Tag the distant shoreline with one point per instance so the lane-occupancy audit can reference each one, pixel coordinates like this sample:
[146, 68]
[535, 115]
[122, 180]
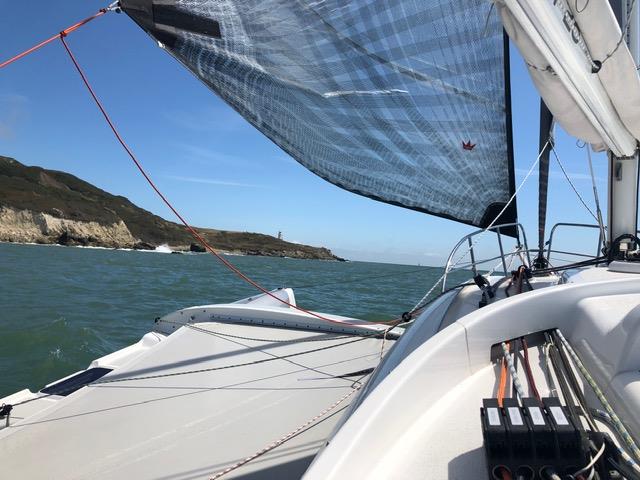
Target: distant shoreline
[181, 252]
[47, 207]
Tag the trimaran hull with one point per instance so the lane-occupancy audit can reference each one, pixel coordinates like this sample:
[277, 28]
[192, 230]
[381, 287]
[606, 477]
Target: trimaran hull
[255, 389]
[199, 400]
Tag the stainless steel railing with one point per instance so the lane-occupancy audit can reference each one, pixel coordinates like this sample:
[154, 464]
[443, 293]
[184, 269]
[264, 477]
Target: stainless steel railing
[549, 243]
[522, 249]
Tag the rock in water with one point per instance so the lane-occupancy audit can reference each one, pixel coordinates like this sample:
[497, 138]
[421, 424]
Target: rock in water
[196, 247]
[140, 245]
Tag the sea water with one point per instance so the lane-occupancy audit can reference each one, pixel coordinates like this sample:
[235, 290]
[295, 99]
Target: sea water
[62, 307]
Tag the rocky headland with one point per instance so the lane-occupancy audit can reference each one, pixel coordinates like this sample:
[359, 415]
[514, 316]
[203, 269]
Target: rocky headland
[51, 207]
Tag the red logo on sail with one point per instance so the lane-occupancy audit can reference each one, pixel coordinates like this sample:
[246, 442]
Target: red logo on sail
[468, 145]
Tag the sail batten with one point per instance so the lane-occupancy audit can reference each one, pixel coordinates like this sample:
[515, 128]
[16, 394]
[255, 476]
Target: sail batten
[397, 101]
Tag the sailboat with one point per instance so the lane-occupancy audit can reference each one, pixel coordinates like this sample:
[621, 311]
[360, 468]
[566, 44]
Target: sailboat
[527, 371]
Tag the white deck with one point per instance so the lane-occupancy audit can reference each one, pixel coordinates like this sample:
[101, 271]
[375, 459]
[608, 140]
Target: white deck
[418, 417]
[434, 395]
[191, 426]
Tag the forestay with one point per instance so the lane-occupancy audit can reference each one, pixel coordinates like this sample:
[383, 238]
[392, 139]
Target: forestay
[402, 102]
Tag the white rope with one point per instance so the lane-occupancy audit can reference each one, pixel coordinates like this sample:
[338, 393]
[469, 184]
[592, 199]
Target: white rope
[624, 456]
[447, 268]
[384, 339]
[551, 384]
[512, 369]
[593, 461]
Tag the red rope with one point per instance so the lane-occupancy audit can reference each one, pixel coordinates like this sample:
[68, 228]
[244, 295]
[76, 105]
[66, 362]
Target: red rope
[189, 228]
[63, 33]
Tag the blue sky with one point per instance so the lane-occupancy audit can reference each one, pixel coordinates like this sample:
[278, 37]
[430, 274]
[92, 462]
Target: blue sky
[218, 170]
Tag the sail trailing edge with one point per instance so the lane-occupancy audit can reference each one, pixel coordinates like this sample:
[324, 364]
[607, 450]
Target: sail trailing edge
[402, 102]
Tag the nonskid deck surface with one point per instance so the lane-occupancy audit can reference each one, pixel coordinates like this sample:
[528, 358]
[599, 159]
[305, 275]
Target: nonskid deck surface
[170, 424]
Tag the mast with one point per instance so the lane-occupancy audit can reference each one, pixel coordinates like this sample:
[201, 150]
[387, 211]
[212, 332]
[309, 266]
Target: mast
[545, 145]
[624, 171]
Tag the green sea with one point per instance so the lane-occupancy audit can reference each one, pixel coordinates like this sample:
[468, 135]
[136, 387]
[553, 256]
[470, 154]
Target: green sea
[61, 307]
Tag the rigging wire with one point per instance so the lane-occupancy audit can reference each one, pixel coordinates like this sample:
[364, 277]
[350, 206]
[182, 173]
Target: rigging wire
[190, 372]
[254, 339]
[596, 65]
[483, 232]
[431, 300]
[306, 367]
[625, 30]
[566, 175]
[191, 230]
[197, 236]
[580, 10]
[225, 367]
[584, 263]
[596, 198]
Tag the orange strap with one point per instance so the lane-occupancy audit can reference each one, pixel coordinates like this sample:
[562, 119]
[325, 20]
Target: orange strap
[504, 373]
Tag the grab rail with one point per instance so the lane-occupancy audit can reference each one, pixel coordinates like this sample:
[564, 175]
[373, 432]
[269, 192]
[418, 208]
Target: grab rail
[521, 248]
[569, 224]
[502, 257]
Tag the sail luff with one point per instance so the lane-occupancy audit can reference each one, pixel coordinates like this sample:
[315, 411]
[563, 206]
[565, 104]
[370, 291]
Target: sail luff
[510, 216]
